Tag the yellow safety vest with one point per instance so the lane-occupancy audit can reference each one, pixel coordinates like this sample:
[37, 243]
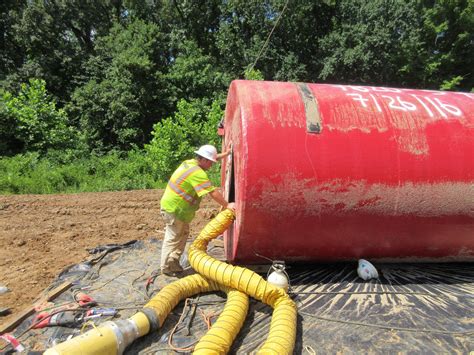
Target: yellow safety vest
[185, 189]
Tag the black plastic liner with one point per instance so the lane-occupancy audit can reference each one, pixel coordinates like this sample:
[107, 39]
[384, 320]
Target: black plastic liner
[416, 308]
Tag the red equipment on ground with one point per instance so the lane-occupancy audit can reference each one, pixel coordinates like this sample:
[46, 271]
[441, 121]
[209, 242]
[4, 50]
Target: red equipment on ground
[68, 314]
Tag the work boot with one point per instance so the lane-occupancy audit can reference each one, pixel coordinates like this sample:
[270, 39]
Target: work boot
[175, 266]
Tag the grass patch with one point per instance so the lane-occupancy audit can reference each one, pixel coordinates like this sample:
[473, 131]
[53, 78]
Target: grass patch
[30, 174]
[66, 172]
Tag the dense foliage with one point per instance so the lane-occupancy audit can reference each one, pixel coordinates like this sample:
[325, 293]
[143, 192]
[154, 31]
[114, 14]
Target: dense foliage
[144, 82]
[33, 121]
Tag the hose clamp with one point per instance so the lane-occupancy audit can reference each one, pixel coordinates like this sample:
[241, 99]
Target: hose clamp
[152, 318]
[125, 333]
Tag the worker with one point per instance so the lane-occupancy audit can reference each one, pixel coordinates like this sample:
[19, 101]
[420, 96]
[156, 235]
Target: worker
[183, 194]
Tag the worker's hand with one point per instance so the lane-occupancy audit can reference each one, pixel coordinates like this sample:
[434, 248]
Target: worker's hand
[231, 206]
[224, 154]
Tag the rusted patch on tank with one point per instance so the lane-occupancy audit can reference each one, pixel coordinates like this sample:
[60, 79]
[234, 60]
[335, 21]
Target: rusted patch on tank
[278, 195]
[291, 195]
[313, 118]
[368, 201]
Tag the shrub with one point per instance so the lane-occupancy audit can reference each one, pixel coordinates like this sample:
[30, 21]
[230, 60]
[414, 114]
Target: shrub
[176, 138]
[37, 123]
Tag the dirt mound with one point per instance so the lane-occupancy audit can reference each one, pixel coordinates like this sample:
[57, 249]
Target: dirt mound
[42, 234]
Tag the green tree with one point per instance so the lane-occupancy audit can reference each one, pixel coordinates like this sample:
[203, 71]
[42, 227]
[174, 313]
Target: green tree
[194, 20]
[56, 37]
[368, 41]
[242, 32]
[9, 144]
[175, 138]
[117, 107]
[34, 119]
[448, 34]
[11, 52]
[291, 53]
[420, 44]
[195, 75]
[253, 74]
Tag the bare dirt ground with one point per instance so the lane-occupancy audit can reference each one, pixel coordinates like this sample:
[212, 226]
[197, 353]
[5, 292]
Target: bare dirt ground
[42, 234]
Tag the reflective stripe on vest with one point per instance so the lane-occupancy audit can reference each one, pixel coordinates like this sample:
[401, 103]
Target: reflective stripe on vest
[186, 173]
[175, 186]
[177, 190]
[203, 186]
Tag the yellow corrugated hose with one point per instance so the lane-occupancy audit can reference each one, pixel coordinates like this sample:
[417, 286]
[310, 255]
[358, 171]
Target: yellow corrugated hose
[220, 337]
[282, 335]
[237, 282]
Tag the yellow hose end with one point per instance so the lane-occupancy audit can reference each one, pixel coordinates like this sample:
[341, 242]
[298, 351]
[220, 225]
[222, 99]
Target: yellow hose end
[97, 341]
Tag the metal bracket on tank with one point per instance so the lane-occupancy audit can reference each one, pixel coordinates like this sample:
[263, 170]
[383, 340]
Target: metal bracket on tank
[313, 118]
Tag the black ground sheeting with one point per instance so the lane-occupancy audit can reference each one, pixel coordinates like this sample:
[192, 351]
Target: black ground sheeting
[416, 308]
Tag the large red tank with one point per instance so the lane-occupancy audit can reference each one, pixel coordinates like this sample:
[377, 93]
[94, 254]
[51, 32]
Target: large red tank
[333, 172]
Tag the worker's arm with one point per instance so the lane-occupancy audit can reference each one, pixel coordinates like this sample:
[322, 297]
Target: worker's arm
[217, 196]
[223, 154]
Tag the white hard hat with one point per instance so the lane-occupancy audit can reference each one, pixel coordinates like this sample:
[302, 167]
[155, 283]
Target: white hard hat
[207, 151]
